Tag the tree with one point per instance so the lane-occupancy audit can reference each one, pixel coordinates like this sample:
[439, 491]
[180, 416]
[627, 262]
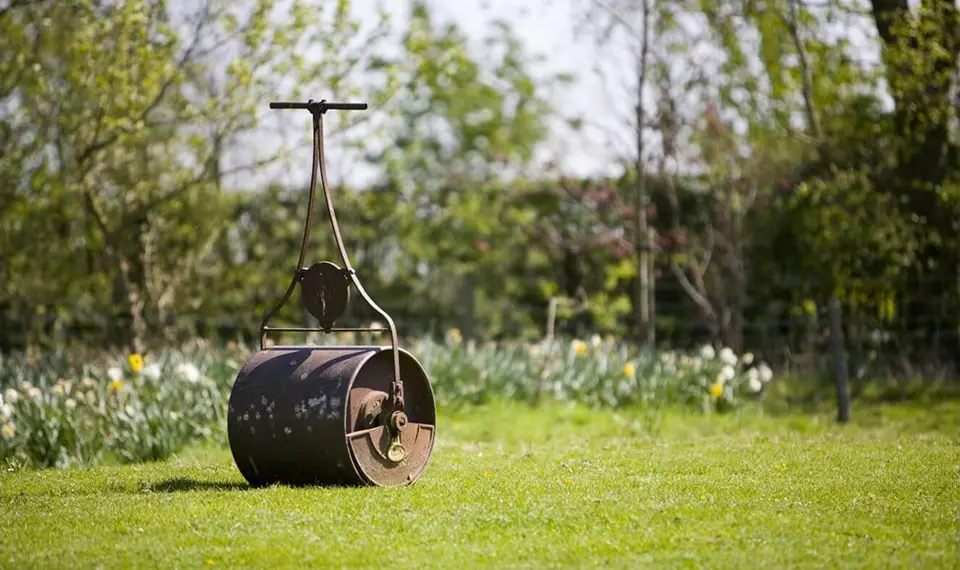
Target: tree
[115, 192]
[921, 55]
[466, 125]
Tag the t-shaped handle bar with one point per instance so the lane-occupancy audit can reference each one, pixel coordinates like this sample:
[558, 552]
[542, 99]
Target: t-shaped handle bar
[318, 106]
[317, 109]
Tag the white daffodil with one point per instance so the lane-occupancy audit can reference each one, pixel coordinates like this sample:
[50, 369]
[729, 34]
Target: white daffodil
[707, 352]
[595, 341]
[748, 359]
[189, 371]
[152, 371]
[11, 396]
[727, 373]
[728, 357]
[766, 374]
[114, 373]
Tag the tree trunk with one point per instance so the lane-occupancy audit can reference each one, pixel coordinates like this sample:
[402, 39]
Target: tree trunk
[841, 374]
[643, 305]
[137, 327]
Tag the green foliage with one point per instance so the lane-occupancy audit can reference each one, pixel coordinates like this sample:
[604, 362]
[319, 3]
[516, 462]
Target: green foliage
[461, 118]
[863, 242]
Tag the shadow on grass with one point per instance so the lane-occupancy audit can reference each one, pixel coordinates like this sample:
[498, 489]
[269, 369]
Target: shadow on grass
[183, 484]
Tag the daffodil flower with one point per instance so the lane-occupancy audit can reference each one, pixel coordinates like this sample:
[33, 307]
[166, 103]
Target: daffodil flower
[716, 389]
[579, 347]
[766, 374]
[707, 352]
[152, 371]
[189, 371]
[728, 357]
[136, 363]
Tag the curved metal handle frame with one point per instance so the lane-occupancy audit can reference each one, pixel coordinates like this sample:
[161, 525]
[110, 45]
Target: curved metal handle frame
[317, 109]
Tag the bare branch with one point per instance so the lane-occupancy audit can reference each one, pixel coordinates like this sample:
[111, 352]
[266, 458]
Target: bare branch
[812, 118]
[693, 291]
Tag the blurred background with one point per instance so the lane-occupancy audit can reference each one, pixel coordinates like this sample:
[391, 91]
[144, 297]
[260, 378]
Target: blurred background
[779, 178]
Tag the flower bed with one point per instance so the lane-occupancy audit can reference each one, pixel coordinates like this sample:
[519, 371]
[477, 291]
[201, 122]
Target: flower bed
[57, 413]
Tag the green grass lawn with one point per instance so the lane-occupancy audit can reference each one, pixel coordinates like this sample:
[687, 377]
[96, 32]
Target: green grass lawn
[510, 487]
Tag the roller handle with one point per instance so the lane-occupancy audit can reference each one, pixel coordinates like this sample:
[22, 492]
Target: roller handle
[321, 106]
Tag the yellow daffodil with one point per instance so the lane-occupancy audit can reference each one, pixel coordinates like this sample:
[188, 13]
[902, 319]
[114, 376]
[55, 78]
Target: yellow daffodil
[716, 389]
[116, 385]
[136, 363]
[579, 347]
[454, 336]
[629, 369]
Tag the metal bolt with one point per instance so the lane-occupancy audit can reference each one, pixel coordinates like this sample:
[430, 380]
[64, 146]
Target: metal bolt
[398, 421]
[396, 453]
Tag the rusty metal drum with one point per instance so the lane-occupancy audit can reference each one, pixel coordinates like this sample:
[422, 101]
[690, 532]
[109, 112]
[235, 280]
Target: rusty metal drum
[321, 415]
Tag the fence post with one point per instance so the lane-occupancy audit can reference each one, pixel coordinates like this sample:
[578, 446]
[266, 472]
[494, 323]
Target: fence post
[839, 361]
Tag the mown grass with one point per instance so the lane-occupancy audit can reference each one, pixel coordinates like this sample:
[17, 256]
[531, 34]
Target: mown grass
[512, 487]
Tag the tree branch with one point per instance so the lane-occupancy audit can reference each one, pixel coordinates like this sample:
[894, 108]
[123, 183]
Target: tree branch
[693, 291]
[97, 146]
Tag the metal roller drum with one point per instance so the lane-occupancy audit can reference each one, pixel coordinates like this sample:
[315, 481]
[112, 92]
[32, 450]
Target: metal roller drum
[319, 415]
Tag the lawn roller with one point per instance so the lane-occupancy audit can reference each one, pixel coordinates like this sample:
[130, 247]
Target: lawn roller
[330, 415]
